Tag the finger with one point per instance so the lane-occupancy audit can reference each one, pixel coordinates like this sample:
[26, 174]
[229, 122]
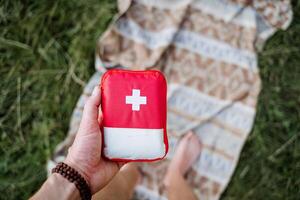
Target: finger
[121, 164]
[89, 122]
[189, 134]
[69, 149]
[100, 116]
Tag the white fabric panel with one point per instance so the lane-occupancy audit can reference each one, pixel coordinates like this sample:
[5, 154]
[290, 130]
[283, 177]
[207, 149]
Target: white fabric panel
[133, 143]
[166, 4]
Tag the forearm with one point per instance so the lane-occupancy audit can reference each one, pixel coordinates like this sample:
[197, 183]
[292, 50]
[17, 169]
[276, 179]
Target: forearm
[57, 187]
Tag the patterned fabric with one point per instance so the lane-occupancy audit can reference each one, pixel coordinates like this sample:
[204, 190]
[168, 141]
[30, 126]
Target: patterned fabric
[208, 51]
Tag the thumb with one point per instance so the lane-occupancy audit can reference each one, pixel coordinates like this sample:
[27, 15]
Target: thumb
[89, 122]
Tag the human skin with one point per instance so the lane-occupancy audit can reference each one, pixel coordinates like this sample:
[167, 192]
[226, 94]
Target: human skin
[84, 156]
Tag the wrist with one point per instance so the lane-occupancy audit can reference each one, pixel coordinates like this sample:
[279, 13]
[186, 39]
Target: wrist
[72, 175]
[67, 190]
[57, 187]
[83, 171]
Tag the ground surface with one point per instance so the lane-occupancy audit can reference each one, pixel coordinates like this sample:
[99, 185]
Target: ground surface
[47, 50]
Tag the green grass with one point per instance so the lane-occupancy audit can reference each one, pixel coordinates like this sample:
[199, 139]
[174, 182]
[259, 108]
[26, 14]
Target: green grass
[43, 44]
[47, 50]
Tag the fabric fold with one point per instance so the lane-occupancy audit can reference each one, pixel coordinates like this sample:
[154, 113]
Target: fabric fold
[207, 49]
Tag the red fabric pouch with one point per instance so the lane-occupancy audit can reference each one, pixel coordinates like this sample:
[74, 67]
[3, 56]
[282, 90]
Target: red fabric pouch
[134, 111]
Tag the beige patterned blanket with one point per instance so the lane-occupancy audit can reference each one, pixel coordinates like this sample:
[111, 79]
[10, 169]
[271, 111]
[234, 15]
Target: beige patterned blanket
[208, 51]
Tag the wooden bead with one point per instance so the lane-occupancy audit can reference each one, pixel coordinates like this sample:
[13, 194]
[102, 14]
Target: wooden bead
[73, 176]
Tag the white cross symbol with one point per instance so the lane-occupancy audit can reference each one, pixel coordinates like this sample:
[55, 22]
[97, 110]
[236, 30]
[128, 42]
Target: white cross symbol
[136, 100]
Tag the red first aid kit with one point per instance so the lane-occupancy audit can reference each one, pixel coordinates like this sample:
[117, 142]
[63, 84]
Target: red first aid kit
[134, 111]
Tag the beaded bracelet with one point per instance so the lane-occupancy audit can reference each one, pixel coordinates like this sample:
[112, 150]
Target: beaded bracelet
[73, 176]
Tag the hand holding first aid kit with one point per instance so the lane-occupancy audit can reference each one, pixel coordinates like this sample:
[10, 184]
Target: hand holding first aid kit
[134, 111]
